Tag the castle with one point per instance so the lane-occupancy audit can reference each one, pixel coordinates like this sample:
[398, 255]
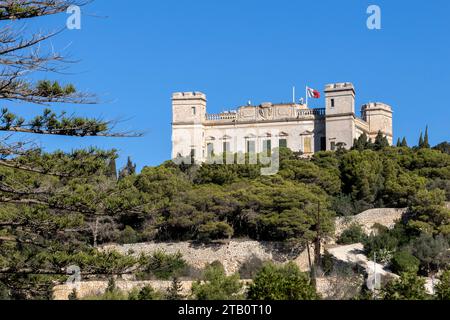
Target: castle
[255, 129]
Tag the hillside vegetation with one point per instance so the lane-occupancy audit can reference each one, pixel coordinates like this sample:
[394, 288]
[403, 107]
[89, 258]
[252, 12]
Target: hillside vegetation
[66, 217]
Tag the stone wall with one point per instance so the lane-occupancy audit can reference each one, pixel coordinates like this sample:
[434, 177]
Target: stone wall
[94, 288]
[386, 217]
[231, 254]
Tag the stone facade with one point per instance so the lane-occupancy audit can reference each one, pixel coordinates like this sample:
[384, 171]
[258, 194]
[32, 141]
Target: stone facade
[255, 129]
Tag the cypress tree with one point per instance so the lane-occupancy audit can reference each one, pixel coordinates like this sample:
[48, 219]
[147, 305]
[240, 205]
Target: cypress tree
[426, 142]
[399, 143]
[381, 141]
[421, 140]
[404, 142]
[112, 169]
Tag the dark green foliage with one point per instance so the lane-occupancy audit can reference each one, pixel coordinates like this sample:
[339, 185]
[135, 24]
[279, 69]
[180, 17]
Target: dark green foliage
[129, 236]
[345, 206]
[381, 142]
[408, 287]
[421, 141]
[84, 206]
[382, 245]
[432, 252]
[426, 140]
[145, 293]
[162, 265]
[353, 234]
[403, 261]
[282, 283]
[216, 285]
[47, 88]
[404, 143]
[444, 147]
[128, 170]
[4, 292]
[443, 287]
[428, 214]
[214, 230]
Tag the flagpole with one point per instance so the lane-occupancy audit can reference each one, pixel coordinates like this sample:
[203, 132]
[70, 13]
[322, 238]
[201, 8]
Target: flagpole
[307, 96]
[293, 94]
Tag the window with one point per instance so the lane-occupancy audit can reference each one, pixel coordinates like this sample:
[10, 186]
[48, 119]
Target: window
[193, 153]
[333, 146]
[323, 144]
[194, 111]
[251, 146]
[283, 143]
[332, 103]
[226, 147]
[210, 150]
[267, 147]
[307, 145]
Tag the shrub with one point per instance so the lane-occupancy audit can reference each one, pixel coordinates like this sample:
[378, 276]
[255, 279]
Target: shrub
[111, 293]
[354, 234]
[431, 251]
[162, 265]
[282, 283]
[404, 261]
[408, 287]
[443, 287]
[129, 236]
[146, 293]
[4, 292]
[382, 245]
[216, 285]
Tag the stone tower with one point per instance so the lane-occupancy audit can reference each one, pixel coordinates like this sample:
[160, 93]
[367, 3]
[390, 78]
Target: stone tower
[340, 115]
[379, 117]
[188, 117]
[188, 107]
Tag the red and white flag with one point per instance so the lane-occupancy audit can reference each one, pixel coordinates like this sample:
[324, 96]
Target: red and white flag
[313, 93]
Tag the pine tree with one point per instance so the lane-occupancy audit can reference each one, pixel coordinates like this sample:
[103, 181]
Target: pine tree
[399, 143]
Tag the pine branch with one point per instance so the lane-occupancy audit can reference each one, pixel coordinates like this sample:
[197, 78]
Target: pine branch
[25, 9]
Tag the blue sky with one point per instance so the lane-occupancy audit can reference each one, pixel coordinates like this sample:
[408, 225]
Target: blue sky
[134, 54]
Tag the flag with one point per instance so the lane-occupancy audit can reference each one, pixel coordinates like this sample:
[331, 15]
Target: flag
[313, 93]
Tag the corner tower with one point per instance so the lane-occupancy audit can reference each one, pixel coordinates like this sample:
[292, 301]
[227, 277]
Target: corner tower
[340, 115]
[188, 117]
[188, 107]
[379, 117]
